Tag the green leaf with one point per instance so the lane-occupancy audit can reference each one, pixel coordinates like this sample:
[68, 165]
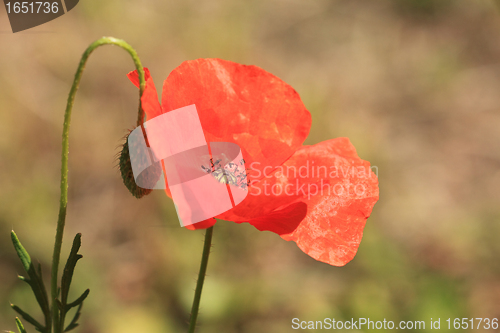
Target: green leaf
[70, 268]
[79, 300]
[41, 293]
[34, 280]
[71, 326]
[21, 252]
[67, 277]
[73, 323]
[20, 326]
[28, 318]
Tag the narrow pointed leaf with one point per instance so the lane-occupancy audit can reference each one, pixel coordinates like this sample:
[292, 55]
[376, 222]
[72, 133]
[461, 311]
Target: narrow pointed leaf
[20, 326]
[41, 296]
[21, 251]
[44, 300]
[73, 323]
[36, 284]
[79, 300]
[70, 268]
[34, 279]
[28, 318]
[71, 326]
[67, 277]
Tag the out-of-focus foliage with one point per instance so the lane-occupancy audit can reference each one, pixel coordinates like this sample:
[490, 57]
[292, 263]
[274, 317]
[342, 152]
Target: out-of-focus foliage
[414, 84]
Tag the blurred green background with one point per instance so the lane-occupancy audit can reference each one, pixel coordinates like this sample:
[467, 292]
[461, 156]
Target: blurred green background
[414, 84]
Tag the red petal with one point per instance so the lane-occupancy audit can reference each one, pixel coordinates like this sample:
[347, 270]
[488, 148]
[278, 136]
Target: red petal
[241, 104]
[149, 99]
[282, 221]
[332, 229]
[202, 225]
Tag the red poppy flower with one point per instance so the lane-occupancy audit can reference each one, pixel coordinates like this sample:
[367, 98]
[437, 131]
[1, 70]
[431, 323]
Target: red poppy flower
[318, 196]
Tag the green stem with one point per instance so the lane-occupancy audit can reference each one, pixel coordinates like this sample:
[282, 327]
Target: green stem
[65, 150]
[201, 279]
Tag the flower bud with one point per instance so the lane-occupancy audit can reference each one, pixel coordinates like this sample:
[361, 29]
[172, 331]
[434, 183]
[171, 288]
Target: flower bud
[151, 174]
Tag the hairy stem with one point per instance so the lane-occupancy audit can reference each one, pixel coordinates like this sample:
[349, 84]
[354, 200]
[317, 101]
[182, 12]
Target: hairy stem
[64, 159]
[201, 279]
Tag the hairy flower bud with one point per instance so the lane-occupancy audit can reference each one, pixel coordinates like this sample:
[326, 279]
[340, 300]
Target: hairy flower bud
[151, 174]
